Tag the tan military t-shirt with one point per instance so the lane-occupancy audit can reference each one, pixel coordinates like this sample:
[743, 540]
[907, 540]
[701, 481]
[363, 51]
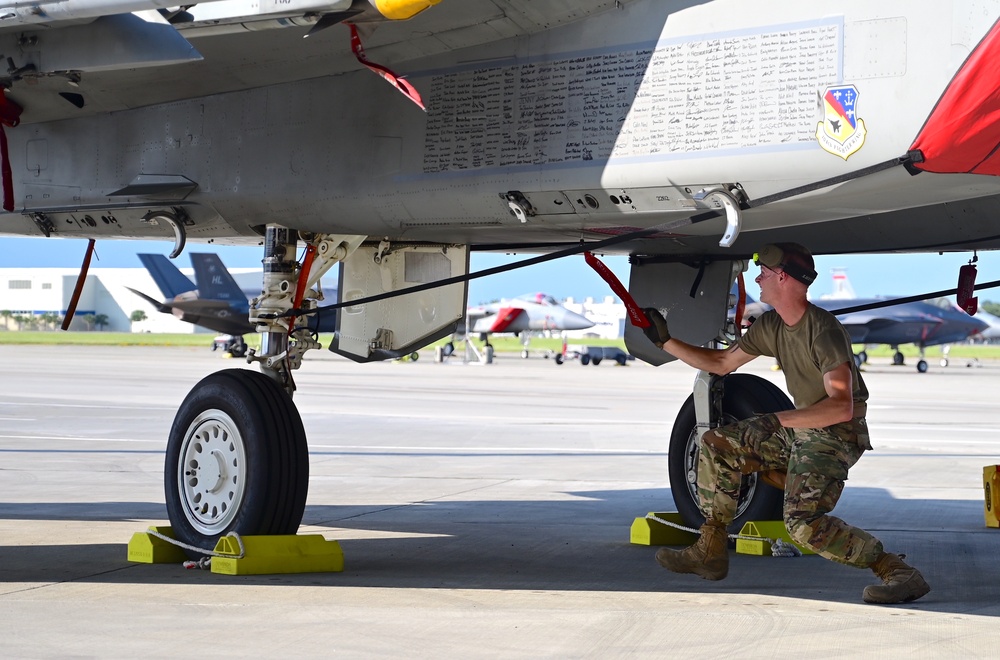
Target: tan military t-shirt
[806, 351]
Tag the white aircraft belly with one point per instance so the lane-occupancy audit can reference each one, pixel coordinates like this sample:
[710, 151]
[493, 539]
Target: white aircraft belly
[348, 154]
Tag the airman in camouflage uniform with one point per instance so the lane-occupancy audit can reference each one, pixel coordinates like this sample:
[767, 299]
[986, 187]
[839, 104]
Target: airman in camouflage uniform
[814, 445]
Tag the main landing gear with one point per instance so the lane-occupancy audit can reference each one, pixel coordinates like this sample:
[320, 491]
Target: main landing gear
[237, 458]
[898, 360]
[731, 398]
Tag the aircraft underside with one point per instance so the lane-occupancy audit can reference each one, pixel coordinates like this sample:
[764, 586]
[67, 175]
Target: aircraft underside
[684, 134]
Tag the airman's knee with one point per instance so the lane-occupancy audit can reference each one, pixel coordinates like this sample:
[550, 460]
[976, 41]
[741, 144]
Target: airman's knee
[715, 440]
[799, 531]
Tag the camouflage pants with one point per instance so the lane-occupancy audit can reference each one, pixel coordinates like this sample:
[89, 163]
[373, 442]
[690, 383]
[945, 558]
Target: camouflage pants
[816, 461]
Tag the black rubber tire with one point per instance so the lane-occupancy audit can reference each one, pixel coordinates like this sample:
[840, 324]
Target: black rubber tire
[620, 359]
[585, 359]
[897, 359]
[596, 361]
[745, 396]
[259, 418]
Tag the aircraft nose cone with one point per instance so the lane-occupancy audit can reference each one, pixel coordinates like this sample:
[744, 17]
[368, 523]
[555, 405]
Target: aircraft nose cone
[574, 321]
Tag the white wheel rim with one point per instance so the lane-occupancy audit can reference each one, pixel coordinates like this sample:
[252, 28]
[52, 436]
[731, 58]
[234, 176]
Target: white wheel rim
[211, 476]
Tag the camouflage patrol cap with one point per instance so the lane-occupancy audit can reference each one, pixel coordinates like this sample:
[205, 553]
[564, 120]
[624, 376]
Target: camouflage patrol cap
[792, 258]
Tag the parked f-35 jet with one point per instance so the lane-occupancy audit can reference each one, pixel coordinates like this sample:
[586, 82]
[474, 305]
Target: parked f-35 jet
[922, 323]
[214, 300]
[404, 134]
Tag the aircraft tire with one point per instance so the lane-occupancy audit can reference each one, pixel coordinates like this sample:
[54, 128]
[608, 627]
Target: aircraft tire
[596, 361]
[559, 358]
[240, 430]
[620, 359]
[745, 396]
[585, 359]
[922, 366]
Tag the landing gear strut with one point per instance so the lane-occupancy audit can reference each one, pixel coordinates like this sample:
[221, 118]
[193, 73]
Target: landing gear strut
[237, 458]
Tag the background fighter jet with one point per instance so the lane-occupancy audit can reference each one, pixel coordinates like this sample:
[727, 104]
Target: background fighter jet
[521, 316]
[925, 323]
[529, 312]
[215, 300]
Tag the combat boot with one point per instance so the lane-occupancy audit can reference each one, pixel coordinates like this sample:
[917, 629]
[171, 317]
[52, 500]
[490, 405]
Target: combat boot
[902, 583]
[708, 557]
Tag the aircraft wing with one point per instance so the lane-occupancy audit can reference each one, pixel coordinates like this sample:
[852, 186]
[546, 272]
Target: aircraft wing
[882, 330]
[94, 58]
[160, 306]
[211, 314]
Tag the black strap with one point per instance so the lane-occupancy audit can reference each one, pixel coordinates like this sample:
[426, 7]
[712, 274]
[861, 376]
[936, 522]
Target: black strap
[608, 242]
[900, 301]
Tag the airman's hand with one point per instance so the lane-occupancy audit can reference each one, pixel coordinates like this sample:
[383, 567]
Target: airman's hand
[657, 331]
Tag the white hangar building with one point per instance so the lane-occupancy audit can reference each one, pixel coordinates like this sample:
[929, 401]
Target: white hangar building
[37, 291]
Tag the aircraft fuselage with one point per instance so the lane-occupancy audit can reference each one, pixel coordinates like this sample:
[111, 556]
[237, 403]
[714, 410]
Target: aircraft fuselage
[615, 121]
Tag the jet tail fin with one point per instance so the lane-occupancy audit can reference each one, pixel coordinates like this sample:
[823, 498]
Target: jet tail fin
[842, 289]
[215, 282]
[171, 281]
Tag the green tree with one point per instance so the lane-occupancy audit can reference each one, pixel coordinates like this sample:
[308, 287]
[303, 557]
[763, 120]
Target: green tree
[88, 320]
[101, 321]
[50, 320]
[988, 306]
[6, 314]
[138, 316]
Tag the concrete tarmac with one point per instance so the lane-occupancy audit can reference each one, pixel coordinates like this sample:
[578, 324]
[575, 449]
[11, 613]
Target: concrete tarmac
[483, 511]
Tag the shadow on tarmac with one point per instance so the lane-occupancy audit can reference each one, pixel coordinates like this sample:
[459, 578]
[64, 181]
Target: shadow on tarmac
[573, 545]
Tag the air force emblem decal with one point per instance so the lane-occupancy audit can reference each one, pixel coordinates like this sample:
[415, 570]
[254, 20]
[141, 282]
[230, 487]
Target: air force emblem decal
[841, 132]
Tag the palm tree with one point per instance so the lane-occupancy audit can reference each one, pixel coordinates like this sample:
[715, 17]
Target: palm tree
[89, 320]
[6, 314]
[50, 319]
[101, 321]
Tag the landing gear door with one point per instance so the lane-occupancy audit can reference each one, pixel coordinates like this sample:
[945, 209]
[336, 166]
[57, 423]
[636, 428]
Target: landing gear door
[398, 326]
[693, 297]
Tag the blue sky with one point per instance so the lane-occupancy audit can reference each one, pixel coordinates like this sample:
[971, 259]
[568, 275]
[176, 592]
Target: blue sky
[883, 275]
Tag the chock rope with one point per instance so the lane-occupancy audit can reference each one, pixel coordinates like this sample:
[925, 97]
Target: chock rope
[204, 562]
[779, 547]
